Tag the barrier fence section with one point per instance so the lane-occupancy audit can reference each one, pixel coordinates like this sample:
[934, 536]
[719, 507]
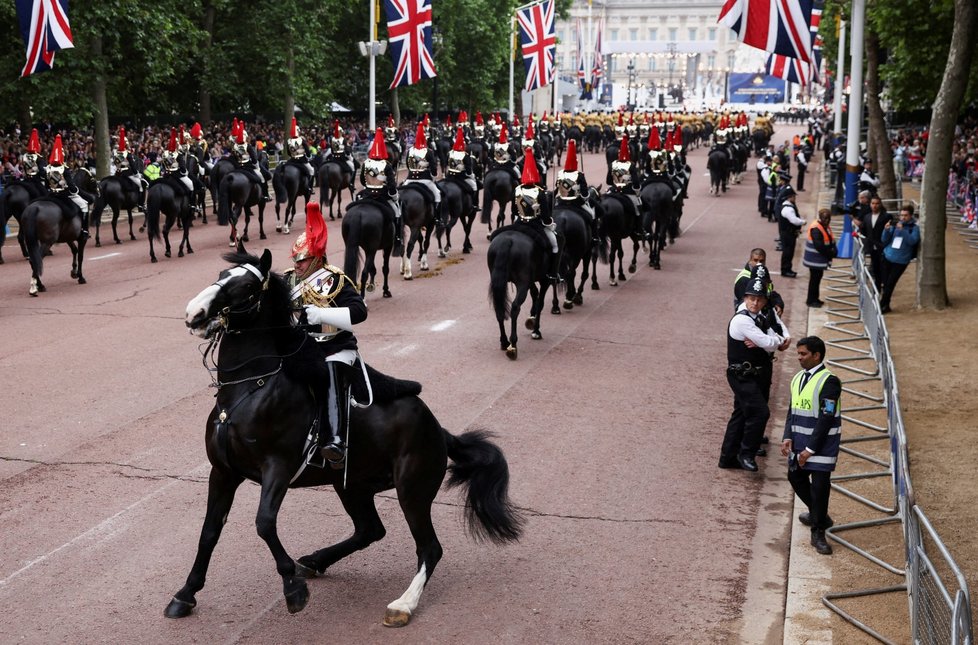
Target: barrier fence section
[939, 600]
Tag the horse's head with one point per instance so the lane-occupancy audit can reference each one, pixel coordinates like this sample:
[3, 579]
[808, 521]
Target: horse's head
[235, 297]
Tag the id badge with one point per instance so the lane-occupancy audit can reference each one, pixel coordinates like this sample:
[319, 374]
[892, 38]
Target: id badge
[897, 242]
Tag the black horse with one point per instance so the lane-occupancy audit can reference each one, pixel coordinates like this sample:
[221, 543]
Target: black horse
[168, 196]
[259, 433]
[365, 227]
[515, 256]
[499, 187]
[457, 206]
[289, 181]
[239, 191]
[578, 249]
[718, 163]
[657, 215]
[617, 223]
[118, 193]
[418, 215]
[334, 178]
[13, 200]
[221, 167]
[45, 222]
[200, 190]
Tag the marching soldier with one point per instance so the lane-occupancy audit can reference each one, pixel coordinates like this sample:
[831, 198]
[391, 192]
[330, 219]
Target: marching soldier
[331, 304]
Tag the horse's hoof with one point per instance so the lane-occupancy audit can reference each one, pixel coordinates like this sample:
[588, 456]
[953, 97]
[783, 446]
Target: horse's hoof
[387, 293]
[511, 352]
[231, 244]
[631, 268]
[180, 254]
[396, 618]
[73, 274]
[613, 283]
[82, 281]
[153, 260]
[286, 230]
[536, 335]
[261, 236]
[167, 254]
[245, 239]
[297, 595]
[32, 291]
[555, 311]
[179, 608]
[442, 254]
[595, 286]
[278, 229]
[97, 245]
[568, 305]
[466, 249]
[578, 300]
[657, 267]
[530, 323]
[306, 572]
[370, 288]
[409, 276]
[488, 236]
[120, 241]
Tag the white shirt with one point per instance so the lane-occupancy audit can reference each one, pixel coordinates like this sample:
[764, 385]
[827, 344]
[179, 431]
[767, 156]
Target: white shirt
[744, 328]
[790, 213]
[869, 179]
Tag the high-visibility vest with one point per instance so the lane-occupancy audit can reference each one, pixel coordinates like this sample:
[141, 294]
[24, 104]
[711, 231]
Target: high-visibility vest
[804, 414]
[152, 171]
[812, 258]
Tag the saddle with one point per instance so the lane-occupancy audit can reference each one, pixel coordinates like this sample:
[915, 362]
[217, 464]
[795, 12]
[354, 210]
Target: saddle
[385, 388]
[534, 229]
[459, 181]
[625, 202]
[363, 197]
[69, 207]
[429, 198]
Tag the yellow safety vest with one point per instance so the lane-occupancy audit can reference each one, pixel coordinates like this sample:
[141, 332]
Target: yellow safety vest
[804, 414]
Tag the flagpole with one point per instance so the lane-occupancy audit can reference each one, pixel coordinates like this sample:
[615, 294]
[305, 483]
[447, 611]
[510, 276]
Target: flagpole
[512, 58]
[855, 119]
[840, 70]
[373, 70]
[589, 54]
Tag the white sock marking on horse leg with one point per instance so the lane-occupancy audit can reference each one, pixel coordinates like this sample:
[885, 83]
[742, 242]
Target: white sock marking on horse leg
[408, 602]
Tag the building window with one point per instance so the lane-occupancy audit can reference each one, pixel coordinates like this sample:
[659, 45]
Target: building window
[711, 61]
[673, 34]
[711, 33]
[652, 64]
[653, 34]
[692, 33]
[730, 60]
[614, 35]
[633, 33]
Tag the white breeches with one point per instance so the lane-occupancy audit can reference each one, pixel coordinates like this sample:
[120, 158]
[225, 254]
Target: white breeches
[82, 204]
[431, 186]
[470, 182]
[186, 182]
[135, 180]
[348, 356]
[551, 231]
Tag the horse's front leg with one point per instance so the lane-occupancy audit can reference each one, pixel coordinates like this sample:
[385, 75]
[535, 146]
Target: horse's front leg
[186, 236]
[261, 221]
[514, 315]
[247, 213]
[221, 487]
[634, 264]
[166, 236]
[278, 218]
[387, 270]
[275, 483]
[142, 228]
[538, 300]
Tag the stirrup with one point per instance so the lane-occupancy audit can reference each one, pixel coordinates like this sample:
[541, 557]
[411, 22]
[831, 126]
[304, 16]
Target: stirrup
[334, 453]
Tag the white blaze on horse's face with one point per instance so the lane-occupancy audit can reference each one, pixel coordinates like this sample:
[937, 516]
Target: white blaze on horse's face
[199, 309]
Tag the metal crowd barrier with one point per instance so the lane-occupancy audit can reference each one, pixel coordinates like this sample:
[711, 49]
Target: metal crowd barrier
[939, 600]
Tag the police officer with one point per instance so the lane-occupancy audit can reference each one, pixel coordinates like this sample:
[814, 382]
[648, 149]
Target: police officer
[752, 338]
[803, 157]
[757, 257]
[328, 301]
[790, 223]
[812, 435]
[763, 178]
[868, 179]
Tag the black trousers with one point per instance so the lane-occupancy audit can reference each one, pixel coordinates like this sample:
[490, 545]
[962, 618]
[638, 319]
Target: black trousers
[891, 275]
[761, 199]
[876, 267]
[814, 284]
[789, 240]
[750, 414]
[813, 488]
[801, 176]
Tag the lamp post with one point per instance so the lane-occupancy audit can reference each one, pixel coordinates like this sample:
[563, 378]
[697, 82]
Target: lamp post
[631, 81]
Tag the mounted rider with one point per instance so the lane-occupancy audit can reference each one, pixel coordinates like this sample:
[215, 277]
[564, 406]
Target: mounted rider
[573, 189]
[187, 147]
[625, 178]
[173, 165]
[126, 166]
[198, 148]
[379, 182]
[504, 154]
[461, 166]
[530, 206]
[515, 129]
[74, 202]
[338, 151]
[392, 137]
[245, 157]
[479, 129]
[329, 304]
[299, 152]
[35, 172]
[420, 163]
[658, 167]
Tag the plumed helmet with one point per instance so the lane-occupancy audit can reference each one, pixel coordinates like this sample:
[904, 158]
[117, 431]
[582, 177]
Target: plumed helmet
[503, 137]
[196, 131]
[459, 145]
[34, 143]
[378, 150]
[121, 143]
[567, 180]
[57, 157]
[172, 145]
[655, 143]
[337, 141]
[293, 129]
[418, 153]
[312, 242]
[528, 193]
[624, 154]
[420, 142]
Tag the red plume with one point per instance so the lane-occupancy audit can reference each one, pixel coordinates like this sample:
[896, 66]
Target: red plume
[379, 149]
[292, 134]
[34, 145]
[459, 141]
[529, 130]
[624, 154]
[570, 165]
[419, 139]
[531, 174]
[57, 157]
[172, 146]
[336, 129]
[316, 232]
[655, 143]
[122, 139]
[502, 135]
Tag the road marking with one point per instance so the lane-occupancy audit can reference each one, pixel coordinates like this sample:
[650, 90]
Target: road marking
[443, 325]
[102, 257]
[405, 350]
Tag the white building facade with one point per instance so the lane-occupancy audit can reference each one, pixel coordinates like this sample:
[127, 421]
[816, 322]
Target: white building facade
[656, 51]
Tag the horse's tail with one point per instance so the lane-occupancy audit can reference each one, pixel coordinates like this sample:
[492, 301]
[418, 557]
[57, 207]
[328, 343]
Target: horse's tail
[278, 185]
[28, 224]
[95, 219]
[351, 238]
[601, 233]
[153, 214]
[223, 202]
[499, 284]
[478, 462]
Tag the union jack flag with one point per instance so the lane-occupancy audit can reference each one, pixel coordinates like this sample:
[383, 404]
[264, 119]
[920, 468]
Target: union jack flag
[597, 63]
[776, 26]
[581, 74]
[792, 70]
[45, 29]
[539, 43]
[409, 38]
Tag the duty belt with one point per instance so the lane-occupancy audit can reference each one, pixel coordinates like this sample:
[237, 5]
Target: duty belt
[744, 369]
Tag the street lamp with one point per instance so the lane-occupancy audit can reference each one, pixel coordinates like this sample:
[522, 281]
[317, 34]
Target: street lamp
[631, 81]
[672, 48]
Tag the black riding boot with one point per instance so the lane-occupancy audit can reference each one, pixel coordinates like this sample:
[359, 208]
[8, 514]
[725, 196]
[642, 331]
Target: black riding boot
[553, 270]
[335, 414]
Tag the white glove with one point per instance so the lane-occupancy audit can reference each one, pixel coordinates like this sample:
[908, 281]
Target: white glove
[338, 317]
